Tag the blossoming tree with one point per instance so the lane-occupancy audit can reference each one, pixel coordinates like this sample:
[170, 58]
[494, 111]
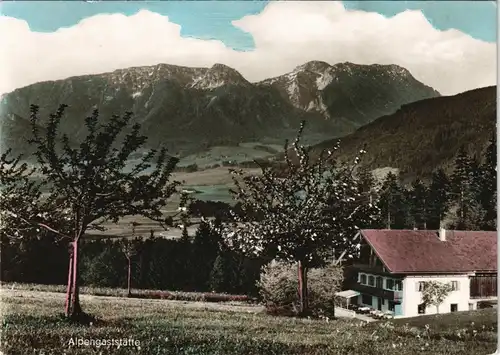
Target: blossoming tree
[301, 215]
[88, 185]
[434, 293]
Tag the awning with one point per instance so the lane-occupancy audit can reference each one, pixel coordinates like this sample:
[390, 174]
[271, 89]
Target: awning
[348, 293]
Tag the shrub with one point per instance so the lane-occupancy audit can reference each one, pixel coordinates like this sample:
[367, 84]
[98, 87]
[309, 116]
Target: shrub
[107, 268]
[278, 287]
[323, 284]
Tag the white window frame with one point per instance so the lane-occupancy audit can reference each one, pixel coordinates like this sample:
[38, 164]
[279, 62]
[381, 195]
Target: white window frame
[360, 278]
[455, 288]
[420, 286]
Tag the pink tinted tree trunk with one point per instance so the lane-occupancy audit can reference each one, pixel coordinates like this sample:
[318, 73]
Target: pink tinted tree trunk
[75, 308]
[70, 283]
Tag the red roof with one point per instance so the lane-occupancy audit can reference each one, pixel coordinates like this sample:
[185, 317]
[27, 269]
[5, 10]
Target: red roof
[414, 251]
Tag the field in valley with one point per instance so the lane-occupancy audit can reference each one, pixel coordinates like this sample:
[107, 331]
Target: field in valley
[209, 185]
[31, 325]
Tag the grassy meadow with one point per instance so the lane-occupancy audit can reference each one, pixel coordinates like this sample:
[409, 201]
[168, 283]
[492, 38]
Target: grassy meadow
[211, 185]
[32, 325]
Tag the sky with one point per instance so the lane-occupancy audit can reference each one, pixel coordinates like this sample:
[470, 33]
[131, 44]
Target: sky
[449, 45]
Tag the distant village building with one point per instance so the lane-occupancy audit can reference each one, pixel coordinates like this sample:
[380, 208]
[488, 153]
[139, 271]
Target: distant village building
[394, 264]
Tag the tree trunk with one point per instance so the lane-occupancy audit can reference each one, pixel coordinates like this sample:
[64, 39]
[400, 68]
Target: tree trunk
[141, 273]
[129, 293]
[75, 308]
[70, 284]
[303, 299]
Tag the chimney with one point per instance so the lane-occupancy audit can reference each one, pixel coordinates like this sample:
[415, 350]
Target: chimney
[442, 234]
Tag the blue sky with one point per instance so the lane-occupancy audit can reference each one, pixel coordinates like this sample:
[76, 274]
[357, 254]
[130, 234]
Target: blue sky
[440, 45]
[212, 19]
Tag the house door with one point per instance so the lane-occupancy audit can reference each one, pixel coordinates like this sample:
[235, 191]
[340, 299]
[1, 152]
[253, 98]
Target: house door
[398, 310]
[380, 303]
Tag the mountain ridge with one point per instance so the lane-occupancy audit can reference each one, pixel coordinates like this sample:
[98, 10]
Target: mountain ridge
[424, 135]
[190, 109]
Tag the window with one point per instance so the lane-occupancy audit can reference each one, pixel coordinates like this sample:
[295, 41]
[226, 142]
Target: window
[453, 307]
[398, 285]
[420, 286]
[379, 282]
[363, 279]
[390, 284]
[391, 306]
[366, 299]
[371, 280]
[380, 303]
[421, 308]
[454, 285]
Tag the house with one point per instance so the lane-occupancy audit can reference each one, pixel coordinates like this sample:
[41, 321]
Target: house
[394, 264]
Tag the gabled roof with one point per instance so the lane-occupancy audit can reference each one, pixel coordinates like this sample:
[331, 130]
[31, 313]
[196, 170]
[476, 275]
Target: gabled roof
[421, 251]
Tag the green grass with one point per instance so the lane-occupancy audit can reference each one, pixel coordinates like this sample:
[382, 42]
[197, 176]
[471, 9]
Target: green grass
[136, 293]
[31, 325]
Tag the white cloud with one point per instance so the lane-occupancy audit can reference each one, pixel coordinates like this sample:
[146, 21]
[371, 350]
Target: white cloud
[286, 34]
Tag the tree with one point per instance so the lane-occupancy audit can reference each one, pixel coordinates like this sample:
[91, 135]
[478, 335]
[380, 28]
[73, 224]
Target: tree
[223, 274]
[474, 218]
[435, 292]
[392, 203]
[18, 199]
[278, 287]
[367, 184]
[476, 176]
[301, 214]
[20, 191]
[439, 198]
[462, 186]
[130, 248]
[205, 249]
[418, 204]
[94, 183]
[488, 191]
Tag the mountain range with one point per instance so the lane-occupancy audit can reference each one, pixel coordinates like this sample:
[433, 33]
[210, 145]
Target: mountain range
[424, 135]
[191, 110]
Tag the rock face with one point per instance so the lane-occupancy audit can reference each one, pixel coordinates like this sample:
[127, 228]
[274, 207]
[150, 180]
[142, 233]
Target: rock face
[349, 93]
[190, 109]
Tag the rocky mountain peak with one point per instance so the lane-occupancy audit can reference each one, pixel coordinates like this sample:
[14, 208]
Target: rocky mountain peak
[222, 68]
[391, 70]
[218, 75]
[315, 66]
[317, 86]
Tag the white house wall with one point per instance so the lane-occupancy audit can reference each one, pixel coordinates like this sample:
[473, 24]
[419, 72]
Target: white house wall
[412, 298]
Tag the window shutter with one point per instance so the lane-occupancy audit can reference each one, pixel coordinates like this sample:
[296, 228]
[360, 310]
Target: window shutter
[458, 285]
[417, 284]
